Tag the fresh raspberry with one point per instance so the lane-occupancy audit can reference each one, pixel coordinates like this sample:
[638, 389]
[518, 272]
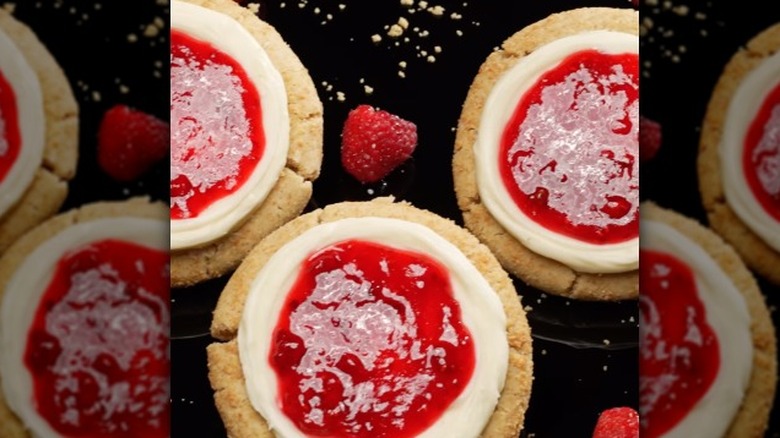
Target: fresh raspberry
[374, 142]
[130, 142]
[649, 138]
[617, 423]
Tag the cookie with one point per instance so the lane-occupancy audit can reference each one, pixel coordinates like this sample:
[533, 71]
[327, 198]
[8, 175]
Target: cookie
[319, 234]
[37, 185]
[742, 205]
[727, 309]
[90, 248]
[267, 206]
[576, 259]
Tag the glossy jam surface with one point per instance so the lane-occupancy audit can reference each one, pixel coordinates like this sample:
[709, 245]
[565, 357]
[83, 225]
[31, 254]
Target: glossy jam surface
[568, 155]
[761, 156]
[680, 354]
[10, 137]
[98, 346]
[217, 137]
[370, 342]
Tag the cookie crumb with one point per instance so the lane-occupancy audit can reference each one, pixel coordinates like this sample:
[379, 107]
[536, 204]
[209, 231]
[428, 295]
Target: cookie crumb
[151, 31]
[340, 96]
[254, 7]
[124, 89]
[131, 38]
[459, 32]
[403, 22]
[437, 10]
[376, 38]
[437, 49]
[395, 31]
[407, 2]
[456, 16]
[401, 74]
[431, 59]
[342, 6]
[368, 90]
[96, 96]
[681, 10]
[402, 64]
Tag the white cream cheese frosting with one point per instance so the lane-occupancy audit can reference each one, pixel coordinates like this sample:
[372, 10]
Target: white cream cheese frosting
[742, 110]
[230, 37]
[26, 287]
[727, 314]
[32, 122]
[499, 108]
[482, 313]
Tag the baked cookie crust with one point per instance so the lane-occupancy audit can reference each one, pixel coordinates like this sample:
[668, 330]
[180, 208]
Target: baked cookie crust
[756, 253]
[226, 375]
[292, 191]
[10, 425]
[752, 417]
[45, 195]
[536, 270]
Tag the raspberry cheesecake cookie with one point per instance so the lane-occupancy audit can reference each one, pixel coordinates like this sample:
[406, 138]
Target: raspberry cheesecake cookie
[370, 319]
[246, 136]
[739, 154]
[708, 356]
[84, 325]
[546, 154]
[38, 131]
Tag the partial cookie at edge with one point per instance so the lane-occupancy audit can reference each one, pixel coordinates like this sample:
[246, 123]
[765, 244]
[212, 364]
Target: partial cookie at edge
[47, 192]
[10, 425]
[289, 197]
[756, 253]
[753, 415]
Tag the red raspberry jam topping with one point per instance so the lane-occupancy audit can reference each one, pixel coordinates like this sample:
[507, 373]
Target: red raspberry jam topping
[761, 156]
[370, 342]
[10, 138]
[568, 155]
[98, 346]
[680, 354]
[217, 137]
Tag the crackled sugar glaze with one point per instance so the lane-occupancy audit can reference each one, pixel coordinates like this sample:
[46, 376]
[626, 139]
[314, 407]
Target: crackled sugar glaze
[217, 136]
[98, 344]
[370, 342]
[680, 355]
[568, 155]
[761, 156]
[10, 139]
